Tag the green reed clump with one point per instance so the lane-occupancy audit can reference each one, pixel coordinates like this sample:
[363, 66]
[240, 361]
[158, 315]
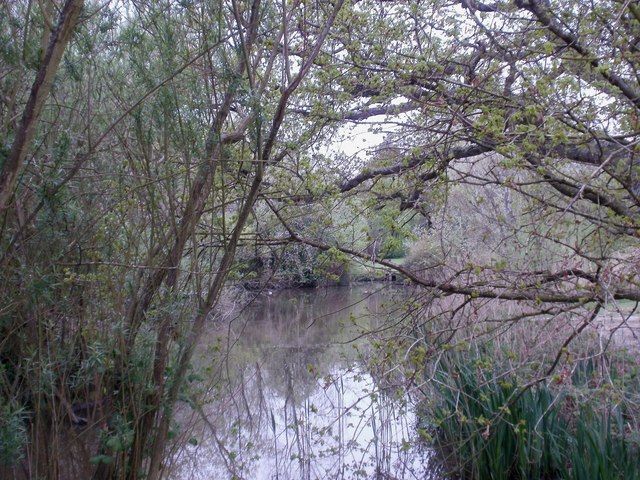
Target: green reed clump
[487, 432]
[488, 427]
[601, 449]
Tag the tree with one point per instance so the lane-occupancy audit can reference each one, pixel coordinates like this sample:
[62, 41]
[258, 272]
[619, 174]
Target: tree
[58, 39]
[189, 140]
[531, 101]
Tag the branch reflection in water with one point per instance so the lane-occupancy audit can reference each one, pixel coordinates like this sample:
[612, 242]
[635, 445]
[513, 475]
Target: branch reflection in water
[290, 396]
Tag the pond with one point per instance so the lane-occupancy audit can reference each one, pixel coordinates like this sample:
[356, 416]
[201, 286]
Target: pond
[287, 394]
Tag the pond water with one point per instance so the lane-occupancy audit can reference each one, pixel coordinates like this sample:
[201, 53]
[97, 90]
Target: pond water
[286, 394]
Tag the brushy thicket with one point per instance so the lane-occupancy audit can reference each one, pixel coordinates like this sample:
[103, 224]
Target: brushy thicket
[486, 426]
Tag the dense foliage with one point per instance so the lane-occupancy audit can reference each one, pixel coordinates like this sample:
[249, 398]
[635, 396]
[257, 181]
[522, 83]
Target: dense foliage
[154, 152]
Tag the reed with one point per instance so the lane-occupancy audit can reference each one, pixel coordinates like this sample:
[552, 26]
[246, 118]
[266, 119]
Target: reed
[487, 428]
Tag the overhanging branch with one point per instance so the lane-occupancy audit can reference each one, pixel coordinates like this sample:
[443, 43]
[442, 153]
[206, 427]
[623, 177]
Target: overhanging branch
[481, 290]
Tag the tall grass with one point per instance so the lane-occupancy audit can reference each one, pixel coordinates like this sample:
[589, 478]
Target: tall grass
[486, 428]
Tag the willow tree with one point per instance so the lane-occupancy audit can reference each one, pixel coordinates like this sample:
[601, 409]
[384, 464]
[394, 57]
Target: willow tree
[122, 219]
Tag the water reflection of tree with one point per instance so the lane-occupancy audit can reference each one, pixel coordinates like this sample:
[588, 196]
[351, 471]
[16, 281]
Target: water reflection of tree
[289, 395]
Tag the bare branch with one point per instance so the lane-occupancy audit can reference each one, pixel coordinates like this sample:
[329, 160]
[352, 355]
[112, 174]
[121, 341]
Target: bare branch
[414, 162]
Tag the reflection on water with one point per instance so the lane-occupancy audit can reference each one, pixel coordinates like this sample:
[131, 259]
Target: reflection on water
[292, 399]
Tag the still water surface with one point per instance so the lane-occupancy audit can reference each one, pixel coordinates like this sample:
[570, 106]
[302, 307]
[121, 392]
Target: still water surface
[288, 394]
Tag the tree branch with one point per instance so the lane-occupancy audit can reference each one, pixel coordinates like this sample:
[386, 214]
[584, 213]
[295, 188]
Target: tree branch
[457, 153]
[541, 10]
[39, 93]
[474, 291]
